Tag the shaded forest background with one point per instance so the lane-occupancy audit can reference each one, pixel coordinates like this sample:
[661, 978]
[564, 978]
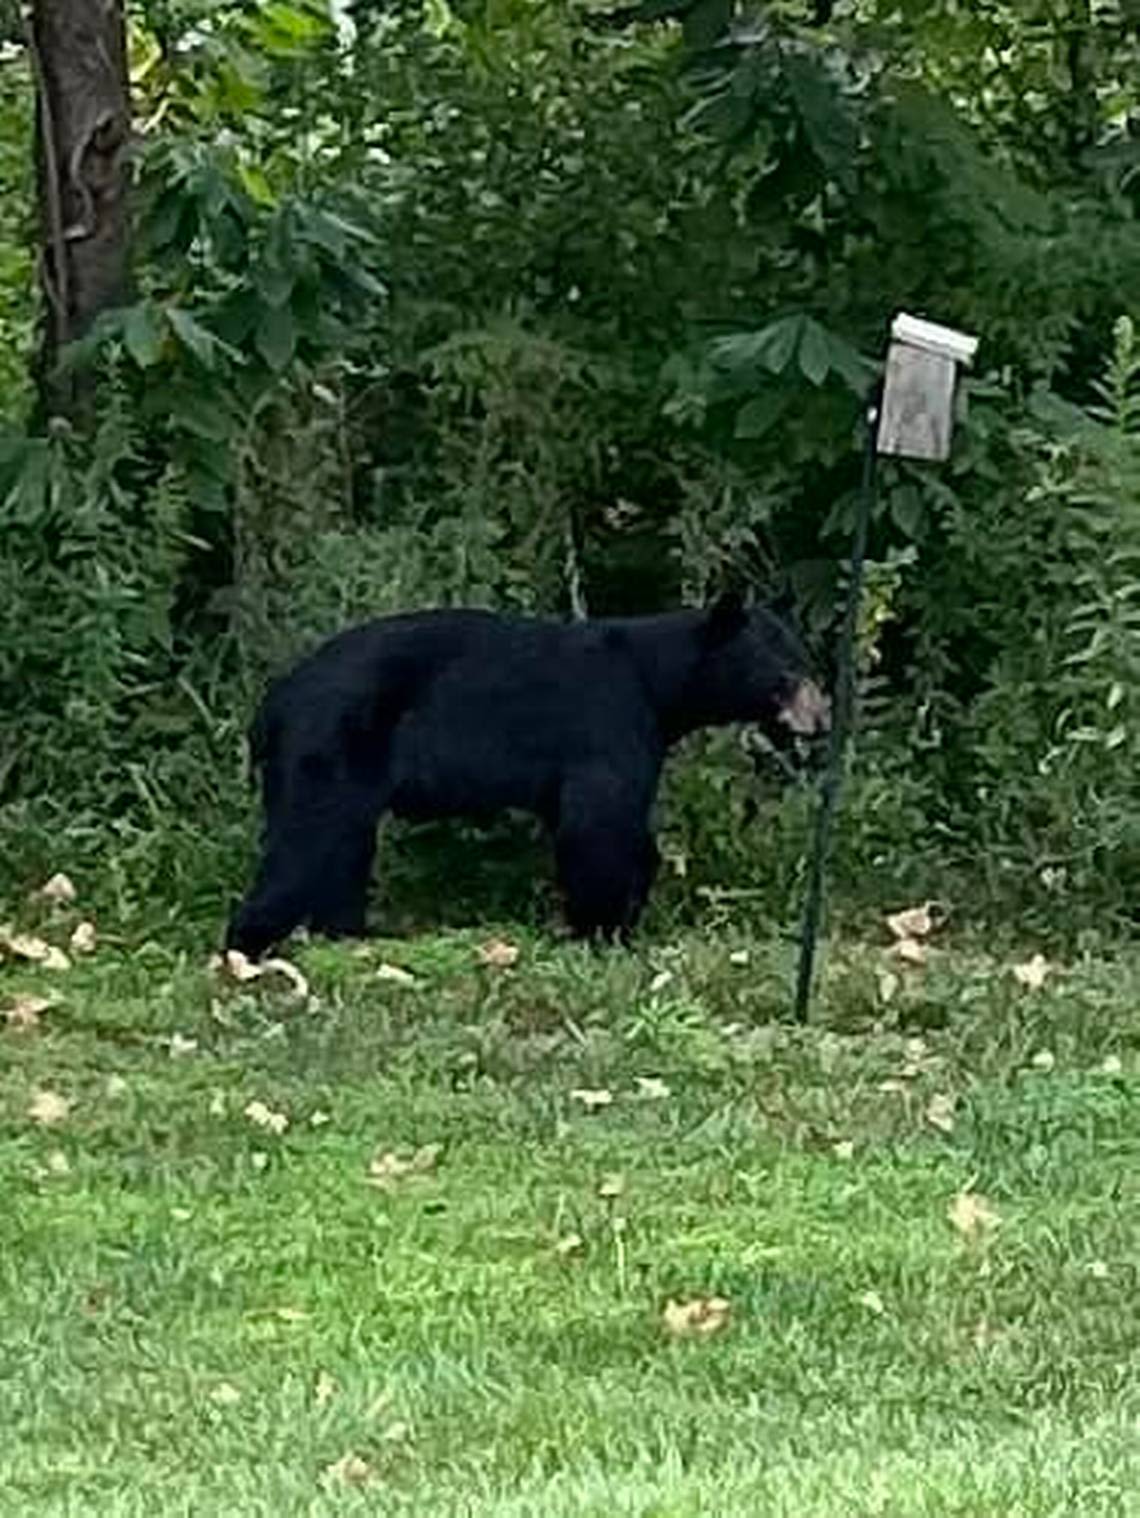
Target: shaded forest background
[557, 306]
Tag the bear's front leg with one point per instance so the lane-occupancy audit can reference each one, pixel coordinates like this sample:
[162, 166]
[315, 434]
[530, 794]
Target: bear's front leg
[605, 854]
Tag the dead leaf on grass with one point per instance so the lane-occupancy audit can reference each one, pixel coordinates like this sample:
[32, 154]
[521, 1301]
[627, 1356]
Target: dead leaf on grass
[844, 1149]
[1098, 1270]
[319, 1119]
[873, 1302]
[1033, 973]
[264, 1117]
[325, 1389]
[115, 1086]
[1044, 1060]
[243, 970]
[971, 1214]
[290, 1314]
[59, 889]
[611, 1187]
[225, 1394]
[498, 954]
[573, 1243]
[395, 975]
[909, 951]
[180, 1046]
[698, 1318]
[940, 1112]
[662, 979]
[913, 922]
[387, 1169]
[23, 1014]
[651, 1089]
[35, 950]
[58, 1163]
[1112, 1065]
[888, 986]
[739, 957]
[350, 1470]
[48, 1107]
[592, 1100]
[84, 938]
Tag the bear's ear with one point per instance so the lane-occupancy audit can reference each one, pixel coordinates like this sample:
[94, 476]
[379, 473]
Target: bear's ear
[726, 617]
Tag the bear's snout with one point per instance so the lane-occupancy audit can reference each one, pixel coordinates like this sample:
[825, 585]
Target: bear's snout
[808, 713]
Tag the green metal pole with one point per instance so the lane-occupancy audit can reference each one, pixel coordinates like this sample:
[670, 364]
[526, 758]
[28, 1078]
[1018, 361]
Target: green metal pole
[841, 726]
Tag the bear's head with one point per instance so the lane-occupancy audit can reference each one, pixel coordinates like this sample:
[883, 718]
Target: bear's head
[751, 667]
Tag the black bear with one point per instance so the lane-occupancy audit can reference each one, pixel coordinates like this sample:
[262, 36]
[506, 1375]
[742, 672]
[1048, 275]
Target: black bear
[467, 713]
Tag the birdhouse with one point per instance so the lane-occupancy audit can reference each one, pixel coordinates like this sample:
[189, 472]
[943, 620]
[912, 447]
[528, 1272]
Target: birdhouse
[916, 417]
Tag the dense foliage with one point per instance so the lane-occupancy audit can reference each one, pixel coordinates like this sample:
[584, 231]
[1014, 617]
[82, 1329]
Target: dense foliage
[570, 306]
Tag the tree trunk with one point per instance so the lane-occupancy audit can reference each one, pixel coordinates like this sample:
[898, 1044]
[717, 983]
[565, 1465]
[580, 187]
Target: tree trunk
[83, 123]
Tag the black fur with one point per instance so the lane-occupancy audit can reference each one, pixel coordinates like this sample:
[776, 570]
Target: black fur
[469, 713]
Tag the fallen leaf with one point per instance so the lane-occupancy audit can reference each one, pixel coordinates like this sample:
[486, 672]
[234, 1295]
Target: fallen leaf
[351, 1470]
[940, 1112]
[48, 1107]
[319, 1119]
[259, 1159]
[180, 1046]
[651, 1088]
[611, 1186]
[843, 1150]
[225, 1394]
[1113, 1065]
[910, 951]
[888, 986]
[290, 1314]
[217, 1105]
[699, 1318]
[181, 1214]
[397, 1433]
[1098, 1270]
[573, 1243]
[83, 938]
[325, 1389]
[914, 922]
[499, 954]
[115, 1086]
[739, 957]
[59, 889]
[242, 969]
[1044, 1060]
[873, 1302]
[24, 1013]
[1033, 973]
[592, 1100]
[58, 1163]
[35, 950]
[892, 1087]
[265, 1117]
[660, 981]
[396, 976]
[970, 1213]
[388, 1168]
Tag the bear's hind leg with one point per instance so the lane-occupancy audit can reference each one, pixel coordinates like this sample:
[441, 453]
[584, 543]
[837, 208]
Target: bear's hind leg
[315, 866]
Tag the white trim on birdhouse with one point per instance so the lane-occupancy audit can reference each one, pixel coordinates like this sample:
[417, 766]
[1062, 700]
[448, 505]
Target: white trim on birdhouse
[944, 341]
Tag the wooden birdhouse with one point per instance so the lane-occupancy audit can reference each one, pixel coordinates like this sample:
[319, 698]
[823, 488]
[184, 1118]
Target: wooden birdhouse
[916, 418]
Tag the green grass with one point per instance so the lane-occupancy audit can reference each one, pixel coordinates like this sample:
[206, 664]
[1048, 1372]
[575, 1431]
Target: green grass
[201, 1316]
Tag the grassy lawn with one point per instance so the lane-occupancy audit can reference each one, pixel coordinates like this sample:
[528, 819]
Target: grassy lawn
[922, 1214]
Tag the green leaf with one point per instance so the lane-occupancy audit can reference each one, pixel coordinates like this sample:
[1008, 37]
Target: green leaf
[142, 335]
[828, 123]
[814, 352]
[762, 413]
[191, 335]
[276, 337]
